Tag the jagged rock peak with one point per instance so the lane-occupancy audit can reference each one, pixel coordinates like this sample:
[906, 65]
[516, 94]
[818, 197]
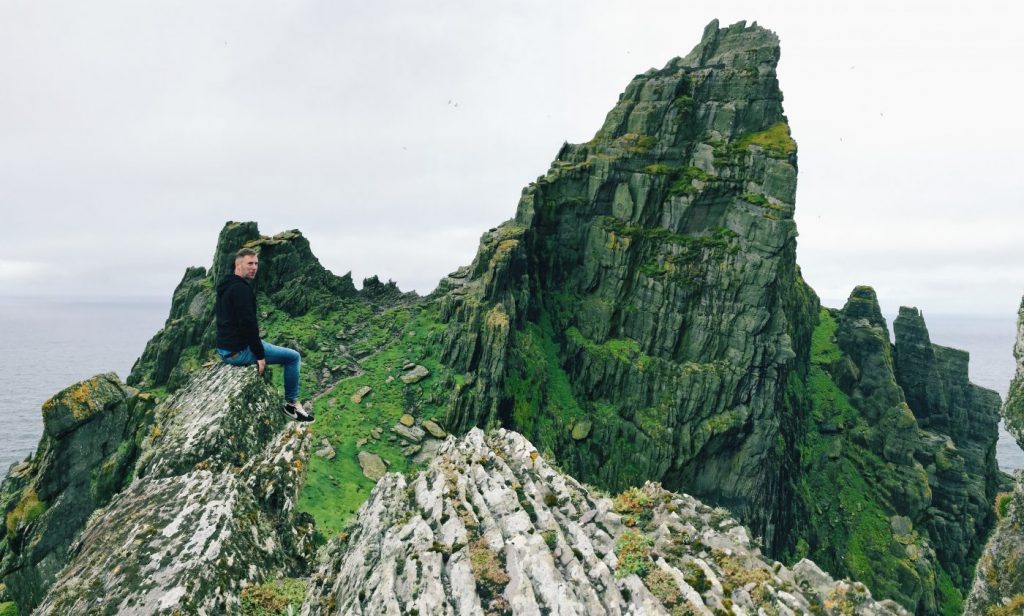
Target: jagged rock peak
[863, 304]
[732, 44]
[491, 527]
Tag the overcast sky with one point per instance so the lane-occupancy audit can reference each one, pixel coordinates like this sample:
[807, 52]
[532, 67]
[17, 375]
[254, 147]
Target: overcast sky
[392, 134]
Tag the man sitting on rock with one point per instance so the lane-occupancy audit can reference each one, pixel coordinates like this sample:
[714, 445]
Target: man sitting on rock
[238, 333]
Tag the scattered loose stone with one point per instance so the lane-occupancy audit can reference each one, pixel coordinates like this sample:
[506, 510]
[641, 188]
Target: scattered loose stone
[413, 434]
[412, 450]
[415, 375]
[408, 366]
[372, 465]
[361, 393]
[376, 432]
[361, 442]
[434, 429]
[389, 379]
[326, 451]
[581, 430]
[407, 420]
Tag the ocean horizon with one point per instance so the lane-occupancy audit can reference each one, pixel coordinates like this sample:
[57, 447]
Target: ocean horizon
[53, 343]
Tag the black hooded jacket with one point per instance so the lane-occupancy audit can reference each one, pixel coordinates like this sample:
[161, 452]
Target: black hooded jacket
[236, 316]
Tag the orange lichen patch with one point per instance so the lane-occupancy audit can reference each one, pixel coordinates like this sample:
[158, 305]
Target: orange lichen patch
[77, 399]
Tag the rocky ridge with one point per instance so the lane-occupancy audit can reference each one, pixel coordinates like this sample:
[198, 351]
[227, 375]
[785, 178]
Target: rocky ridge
[211, 509]
[491, 528]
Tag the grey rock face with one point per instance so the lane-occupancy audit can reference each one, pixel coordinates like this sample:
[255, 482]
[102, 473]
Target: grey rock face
[490, 527]
[210, 511]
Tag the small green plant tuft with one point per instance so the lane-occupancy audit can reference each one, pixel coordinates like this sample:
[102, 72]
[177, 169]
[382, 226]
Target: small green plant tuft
[1003, 500]
[273, 598]
[633, 550]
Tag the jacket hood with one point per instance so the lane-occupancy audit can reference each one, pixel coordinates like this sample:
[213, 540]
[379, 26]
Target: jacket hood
[229, 280]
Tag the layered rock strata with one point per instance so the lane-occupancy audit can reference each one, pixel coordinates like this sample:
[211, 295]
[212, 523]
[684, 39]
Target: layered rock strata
[492, 528]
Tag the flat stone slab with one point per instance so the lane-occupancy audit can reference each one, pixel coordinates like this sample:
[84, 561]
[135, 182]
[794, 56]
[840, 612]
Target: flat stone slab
[434, 429]
[373, 465]
[361, 393]
[415, 375]
[413, 434]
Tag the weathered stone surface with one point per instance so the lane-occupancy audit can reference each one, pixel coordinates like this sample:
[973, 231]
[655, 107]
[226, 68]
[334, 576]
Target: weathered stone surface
[415, 375]
[434, 429]
[490, 528]
[407, 420]
[372, 465]
[413, 434]
[190, 531]
[361, 393]
[81, 402]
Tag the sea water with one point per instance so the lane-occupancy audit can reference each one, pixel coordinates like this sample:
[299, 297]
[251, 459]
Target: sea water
[46, 346]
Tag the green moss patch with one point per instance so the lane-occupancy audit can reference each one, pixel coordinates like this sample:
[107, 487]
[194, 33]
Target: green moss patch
[776, 140]
[28, 509]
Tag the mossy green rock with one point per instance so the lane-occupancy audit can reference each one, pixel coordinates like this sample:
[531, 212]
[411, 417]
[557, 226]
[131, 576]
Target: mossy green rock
[85, 456]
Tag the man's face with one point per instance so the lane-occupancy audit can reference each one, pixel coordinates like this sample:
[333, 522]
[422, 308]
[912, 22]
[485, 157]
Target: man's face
[246, 266]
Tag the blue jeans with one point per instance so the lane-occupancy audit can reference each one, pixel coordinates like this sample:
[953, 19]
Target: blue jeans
[291, 360]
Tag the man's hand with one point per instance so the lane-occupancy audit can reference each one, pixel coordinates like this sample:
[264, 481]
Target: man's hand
[261, 365]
